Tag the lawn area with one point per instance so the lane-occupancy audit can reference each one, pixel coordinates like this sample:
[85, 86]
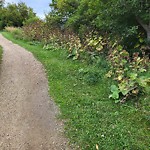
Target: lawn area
[92, 120]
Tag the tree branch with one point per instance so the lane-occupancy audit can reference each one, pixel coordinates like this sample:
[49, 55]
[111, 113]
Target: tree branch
[146, 27]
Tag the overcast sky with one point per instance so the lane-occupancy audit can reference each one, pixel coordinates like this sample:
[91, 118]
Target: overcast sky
[39, 6]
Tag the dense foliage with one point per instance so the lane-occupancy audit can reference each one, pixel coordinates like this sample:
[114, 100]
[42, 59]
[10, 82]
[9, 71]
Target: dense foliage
[128, 73]
[14, 14]
[101, 27]
[123, 16]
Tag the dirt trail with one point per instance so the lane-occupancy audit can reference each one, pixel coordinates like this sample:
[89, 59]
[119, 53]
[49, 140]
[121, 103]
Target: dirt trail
[27, 115]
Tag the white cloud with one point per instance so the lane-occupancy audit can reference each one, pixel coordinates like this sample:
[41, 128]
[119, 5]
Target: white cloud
[11, 1]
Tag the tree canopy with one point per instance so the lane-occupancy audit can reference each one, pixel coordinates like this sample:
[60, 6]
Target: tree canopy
[15, 14]
[115, 16]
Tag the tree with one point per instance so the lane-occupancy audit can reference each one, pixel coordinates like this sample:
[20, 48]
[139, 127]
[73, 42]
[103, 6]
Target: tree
[61, 11]
[1, 12]
[2, 3]
[15, 14]
[123, 17]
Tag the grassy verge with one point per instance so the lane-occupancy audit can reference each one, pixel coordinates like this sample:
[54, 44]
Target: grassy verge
[92, 120]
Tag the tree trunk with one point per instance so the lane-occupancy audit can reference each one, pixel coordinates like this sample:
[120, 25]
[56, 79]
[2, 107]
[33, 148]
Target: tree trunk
[145, 27]
[148, 34]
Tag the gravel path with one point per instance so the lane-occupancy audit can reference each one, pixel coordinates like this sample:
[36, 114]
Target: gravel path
[27, 115]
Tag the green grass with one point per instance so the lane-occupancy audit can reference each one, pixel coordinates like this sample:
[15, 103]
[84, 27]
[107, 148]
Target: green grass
[91, 118]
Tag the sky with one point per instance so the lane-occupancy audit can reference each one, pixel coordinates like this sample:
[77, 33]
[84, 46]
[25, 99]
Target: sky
[39, 6]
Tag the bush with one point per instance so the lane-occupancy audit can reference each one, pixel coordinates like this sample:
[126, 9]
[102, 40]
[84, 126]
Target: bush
[35, 30]
[30, 21]
[16, 32]
[128, 67]
[129, 74]
[10, 29]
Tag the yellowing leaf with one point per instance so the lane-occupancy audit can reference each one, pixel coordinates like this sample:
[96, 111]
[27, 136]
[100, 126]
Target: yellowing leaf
[97, 147]
[135, 91]
[109, 74]
[119, 78]
[99, 48]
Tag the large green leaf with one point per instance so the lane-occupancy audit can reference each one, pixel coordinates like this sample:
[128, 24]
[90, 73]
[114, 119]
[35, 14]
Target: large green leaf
[115, 92]
[114, 88]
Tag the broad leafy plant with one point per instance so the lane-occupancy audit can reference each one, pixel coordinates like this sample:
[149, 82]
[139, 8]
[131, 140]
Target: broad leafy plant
[129, 74]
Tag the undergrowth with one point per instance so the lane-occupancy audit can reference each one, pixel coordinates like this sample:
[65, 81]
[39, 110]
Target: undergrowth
[92, 120]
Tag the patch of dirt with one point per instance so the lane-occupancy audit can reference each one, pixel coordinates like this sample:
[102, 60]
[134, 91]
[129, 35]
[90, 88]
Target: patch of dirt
[27, 114]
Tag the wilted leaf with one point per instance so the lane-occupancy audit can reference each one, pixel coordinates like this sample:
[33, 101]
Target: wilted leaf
[123, 88]
[97, 147]
[135, 91]
[99, 48]
[119, 78]
[109, 74]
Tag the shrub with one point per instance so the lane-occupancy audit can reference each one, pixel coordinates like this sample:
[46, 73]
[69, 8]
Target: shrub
[30, 21]
[128, 67]
[34, 31]
[129, 72]
[16, 32]
[10, 29]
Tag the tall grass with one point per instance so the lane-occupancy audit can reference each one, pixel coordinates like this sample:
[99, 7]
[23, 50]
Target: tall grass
[16, 32]
[10, 29]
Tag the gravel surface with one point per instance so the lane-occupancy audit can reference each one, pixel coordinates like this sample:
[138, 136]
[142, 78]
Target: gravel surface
[27, 114]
